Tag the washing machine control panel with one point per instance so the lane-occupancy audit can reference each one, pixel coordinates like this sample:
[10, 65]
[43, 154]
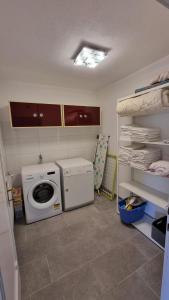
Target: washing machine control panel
[29, 177]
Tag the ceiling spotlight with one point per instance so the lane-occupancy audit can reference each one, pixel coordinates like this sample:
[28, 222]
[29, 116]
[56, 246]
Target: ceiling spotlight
[89, 56]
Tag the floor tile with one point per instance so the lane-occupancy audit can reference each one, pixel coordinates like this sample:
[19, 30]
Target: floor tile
[82, 214]
[82, 231]
[131, 288]
[65, 259]
[86, 285]
[146, 246]
[114, 234]
[115, 265]
[34, 276]
[35, 249]
[45, 227]
[151, 273]
[79, 285]
[76, 232]
[85, 253]
[104, 204]
[104, 239]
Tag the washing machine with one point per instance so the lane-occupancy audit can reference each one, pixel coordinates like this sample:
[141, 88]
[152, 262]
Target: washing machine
[77, 182]
[41, 191]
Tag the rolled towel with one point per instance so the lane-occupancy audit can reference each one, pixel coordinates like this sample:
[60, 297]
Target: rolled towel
[163, 76]
[148, 103]
[166, 98]
[160, 167]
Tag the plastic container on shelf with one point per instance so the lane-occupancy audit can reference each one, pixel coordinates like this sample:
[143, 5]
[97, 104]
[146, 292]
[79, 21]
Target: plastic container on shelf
[130, 216]
[159, 230]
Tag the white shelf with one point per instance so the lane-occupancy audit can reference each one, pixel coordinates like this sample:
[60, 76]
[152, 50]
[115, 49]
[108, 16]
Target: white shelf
[146, 172]
[159, 143]
[145, 226]
[158, 198]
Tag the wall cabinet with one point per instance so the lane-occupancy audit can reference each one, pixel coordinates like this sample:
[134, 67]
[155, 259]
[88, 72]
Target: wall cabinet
[81, 115]
[34, 114]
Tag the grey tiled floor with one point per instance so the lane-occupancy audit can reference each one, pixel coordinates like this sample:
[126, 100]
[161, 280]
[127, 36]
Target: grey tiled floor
[87, 254]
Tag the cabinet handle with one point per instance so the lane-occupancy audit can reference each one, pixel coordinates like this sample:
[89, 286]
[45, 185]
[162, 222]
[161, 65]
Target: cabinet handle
[81, 116]
[35, 115]
[85, 116]
[41, 115]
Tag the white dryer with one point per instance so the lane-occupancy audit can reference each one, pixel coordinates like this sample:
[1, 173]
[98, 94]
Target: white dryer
[41, 191]
[77, 182]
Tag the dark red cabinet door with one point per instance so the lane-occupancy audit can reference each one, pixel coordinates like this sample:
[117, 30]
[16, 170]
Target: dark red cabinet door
[24, 114]
[81, 115]
[34, 114]
[49, 114]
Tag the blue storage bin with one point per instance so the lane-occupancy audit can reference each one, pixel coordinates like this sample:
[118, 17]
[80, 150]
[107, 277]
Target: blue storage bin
[130, 216]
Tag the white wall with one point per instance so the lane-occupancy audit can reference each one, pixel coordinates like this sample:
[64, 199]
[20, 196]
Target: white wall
[107, 97]
[23, 146]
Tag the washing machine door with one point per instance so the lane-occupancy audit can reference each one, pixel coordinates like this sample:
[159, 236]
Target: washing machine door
[43, 194]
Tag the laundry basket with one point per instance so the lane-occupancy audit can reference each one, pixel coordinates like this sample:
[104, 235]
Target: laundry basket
[130, 216]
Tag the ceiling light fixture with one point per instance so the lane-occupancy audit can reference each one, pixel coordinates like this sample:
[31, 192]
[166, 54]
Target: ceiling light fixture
[89, 56]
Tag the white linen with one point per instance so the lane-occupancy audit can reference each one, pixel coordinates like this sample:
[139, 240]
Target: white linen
[140, 134]
[142, 159]
[125, 153]
[163, 76]
[148, 103]
[160, 167]
[137, 156]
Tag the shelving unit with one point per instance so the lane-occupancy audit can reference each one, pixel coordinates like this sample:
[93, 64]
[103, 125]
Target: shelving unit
[149, 188]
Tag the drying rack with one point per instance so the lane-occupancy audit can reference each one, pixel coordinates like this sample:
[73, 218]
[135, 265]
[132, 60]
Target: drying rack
[108, 185]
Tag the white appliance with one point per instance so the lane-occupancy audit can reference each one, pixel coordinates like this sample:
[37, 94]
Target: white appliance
[77, 182]
[41, 190]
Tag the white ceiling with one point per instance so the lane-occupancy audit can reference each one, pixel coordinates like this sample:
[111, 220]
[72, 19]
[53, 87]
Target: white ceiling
[38, 38]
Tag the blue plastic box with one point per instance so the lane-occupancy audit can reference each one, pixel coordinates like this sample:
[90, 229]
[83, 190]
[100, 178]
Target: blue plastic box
[130, 216]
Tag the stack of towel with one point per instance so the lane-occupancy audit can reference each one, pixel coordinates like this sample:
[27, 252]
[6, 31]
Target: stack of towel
[125, 153]
[141, 159]
[140, 134]
[160, 168]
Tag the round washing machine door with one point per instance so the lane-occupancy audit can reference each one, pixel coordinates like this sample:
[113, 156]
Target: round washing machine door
[43, 194]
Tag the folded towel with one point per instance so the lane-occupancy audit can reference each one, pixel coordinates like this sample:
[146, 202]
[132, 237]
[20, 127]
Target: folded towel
[140, 134]
[148, 103]
[141, 159]
[125, 153]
